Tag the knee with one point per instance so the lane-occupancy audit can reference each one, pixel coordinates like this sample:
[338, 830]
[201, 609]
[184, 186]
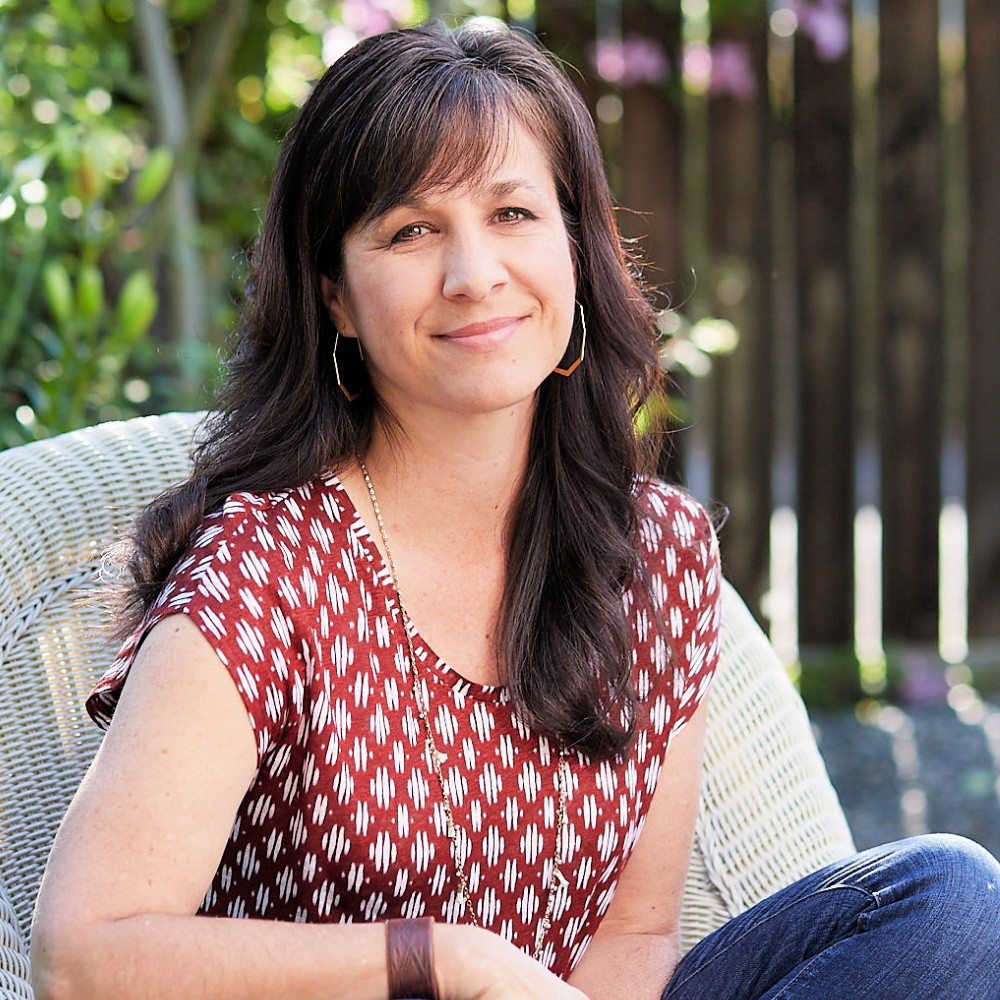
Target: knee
[944, 891]
[958, 874]
[961, 863]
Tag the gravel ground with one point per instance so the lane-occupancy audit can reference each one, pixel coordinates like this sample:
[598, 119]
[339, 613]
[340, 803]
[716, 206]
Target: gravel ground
[900, 772]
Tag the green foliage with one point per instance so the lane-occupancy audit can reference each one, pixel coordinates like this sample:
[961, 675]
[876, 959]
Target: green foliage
[685, 348]
[722, 11]
[87, 182]
[72, 145]
[84, 225]
[154, 175]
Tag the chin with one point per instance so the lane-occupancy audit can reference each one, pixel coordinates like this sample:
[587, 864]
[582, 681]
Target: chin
[493, 395]
[486, 404]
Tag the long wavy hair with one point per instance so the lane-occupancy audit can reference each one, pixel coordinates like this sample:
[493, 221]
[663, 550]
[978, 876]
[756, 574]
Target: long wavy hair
[399, 113]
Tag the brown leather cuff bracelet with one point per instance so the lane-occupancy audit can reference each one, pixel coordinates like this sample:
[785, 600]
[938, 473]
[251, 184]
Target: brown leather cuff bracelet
[409, 946]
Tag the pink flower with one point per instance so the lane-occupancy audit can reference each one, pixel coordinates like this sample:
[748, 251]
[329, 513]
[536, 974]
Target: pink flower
[634, 59]
[606, 59]
[826, 23]
[365, 18]
[336, 41]
[732, 72]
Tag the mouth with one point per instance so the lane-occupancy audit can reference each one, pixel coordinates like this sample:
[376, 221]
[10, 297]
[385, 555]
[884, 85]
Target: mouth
[482, 336]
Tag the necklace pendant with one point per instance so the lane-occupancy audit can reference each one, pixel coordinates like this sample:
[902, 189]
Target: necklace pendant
[561, 880]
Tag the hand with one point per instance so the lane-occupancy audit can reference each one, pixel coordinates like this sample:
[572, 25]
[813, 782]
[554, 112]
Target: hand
[475, 964]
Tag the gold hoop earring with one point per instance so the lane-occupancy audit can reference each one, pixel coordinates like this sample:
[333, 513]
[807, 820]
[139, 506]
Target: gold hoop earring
[351, 396]
[583, 347]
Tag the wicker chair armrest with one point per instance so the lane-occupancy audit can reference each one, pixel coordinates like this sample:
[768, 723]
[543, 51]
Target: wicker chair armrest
[14, 983]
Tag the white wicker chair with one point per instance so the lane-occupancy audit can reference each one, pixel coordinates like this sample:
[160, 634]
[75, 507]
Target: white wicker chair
[768, 812]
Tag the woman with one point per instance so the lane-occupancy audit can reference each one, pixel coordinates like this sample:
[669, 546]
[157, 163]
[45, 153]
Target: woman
[429, 421]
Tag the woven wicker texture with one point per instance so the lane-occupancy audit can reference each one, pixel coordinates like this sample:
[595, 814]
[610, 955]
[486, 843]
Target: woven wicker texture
[13, 953]
[62, 502]
[768, 812]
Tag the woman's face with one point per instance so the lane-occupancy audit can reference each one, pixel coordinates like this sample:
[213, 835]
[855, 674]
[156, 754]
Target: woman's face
[463, 299]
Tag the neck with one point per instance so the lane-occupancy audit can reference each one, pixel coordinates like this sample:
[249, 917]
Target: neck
[458, 474]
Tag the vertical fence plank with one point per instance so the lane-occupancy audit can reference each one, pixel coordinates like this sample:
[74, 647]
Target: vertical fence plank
[983, 434]
[651, 155]
[651, 174]
[567, 29]
[822, 131]
[911, 342]
[739, 243]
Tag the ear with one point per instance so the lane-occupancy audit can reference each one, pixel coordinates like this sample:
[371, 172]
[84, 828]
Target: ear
[333, 298]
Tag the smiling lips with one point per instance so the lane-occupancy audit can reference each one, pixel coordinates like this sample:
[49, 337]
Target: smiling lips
[483, 336]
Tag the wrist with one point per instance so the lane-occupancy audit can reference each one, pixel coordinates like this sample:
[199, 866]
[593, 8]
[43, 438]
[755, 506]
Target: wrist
[461, 960]
[409, 946]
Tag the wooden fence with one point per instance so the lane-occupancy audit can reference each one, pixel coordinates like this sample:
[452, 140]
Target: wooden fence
[844, 214]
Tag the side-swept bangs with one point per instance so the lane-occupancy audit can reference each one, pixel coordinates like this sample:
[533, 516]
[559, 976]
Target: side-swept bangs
[438, 120]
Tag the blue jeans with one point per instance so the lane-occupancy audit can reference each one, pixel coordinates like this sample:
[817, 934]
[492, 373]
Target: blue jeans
[914, 920]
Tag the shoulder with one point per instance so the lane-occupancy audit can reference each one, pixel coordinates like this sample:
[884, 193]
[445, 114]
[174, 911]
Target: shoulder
[269, 523]
[679, 555]
[682, 576]
[238, 580]
[670, 517]
[322, 497]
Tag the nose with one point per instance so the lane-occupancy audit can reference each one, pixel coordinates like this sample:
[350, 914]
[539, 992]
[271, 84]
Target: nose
[473, 266]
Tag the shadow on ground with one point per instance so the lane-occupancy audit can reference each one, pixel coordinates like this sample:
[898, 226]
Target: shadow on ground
[901, 772]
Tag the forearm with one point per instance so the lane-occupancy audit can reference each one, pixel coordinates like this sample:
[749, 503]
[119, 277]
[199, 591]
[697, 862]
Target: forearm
[155, 957]
[626, 967]
[159, 957]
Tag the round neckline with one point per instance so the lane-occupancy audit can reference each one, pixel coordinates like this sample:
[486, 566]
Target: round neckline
[442, 671]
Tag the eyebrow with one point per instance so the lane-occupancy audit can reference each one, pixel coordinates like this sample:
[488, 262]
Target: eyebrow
[501, 189]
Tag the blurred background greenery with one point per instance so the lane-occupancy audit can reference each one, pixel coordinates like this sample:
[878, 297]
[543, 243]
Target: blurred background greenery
[136, 145]
[816, 184]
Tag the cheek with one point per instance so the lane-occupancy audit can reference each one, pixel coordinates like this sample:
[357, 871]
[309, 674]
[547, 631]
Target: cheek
[563, 276]
[380, 306]
[565, 261]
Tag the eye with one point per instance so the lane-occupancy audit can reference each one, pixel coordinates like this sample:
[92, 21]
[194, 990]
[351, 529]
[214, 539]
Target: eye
[513, 215]
[409, 233]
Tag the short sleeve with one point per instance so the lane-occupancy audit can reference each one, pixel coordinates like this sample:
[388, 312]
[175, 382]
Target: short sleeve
[684, 578]
[229, 584]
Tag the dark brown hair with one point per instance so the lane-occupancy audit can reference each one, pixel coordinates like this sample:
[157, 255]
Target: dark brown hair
[400, 112]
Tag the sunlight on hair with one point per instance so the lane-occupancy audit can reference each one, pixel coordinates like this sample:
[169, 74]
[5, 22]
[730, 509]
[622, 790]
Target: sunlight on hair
[485, 22]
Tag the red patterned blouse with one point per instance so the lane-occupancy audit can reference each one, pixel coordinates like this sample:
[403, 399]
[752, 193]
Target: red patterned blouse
[344, 820]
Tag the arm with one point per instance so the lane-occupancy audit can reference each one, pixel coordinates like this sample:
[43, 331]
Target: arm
[141, 842]
[634, 952]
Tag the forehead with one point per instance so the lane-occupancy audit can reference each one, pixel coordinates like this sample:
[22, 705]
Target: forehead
[507, 157]
[518, 160]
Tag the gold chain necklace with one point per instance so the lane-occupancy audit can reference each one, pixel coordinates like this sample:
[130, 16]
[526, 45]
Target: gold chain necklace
[558, 879]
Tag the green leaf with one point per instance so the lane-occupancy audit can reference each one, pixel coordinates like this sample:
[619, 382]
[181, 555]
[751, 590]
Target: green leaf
[137, 305]
[30, 169]
[154, 175]
[58, 292]
[89, 292]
